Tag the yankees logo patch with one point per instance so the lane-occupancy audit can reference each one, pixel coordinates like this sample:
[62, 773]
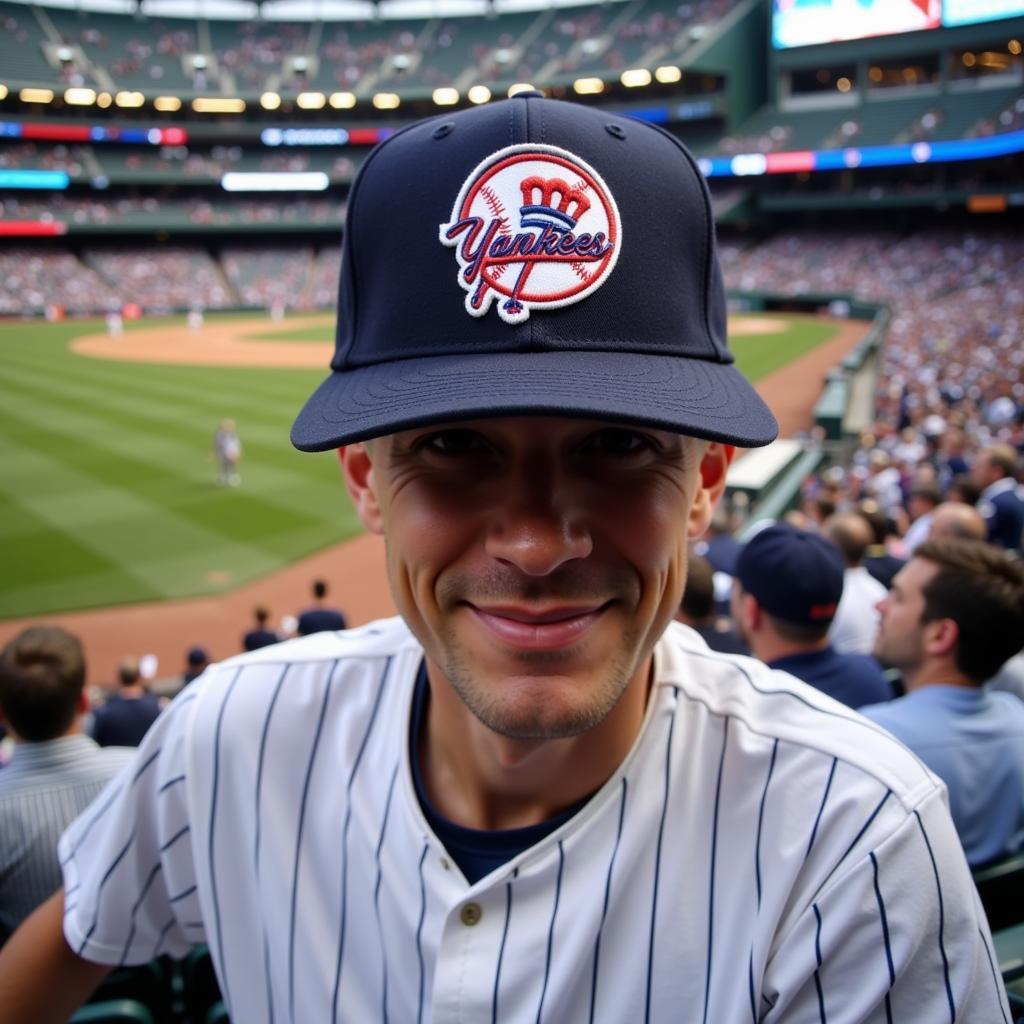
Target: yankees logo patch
[535, 227]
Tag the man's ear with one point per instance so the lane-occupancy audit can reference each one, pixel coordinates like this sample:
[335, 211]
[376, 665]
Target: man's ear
[941, 637]
[711, 486]
[357, 469]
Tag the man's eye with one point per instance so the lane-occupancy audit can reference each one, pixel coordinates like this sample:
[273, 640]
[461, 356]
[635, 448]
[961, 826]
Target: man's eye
[455, 442]
[618, 441]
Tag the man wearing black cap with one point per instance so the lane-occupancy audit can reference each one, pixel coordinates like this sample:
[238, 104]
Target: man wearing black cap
[531, 798]
[788, 585]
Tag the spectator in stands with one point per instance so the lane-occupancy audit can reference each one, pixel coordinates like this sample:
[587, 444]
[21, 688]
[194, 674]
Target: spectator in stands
[196, 662]
[963, 489]
[261, 635]
[922, 501]
[954, 616]
[879, 560]
[319, 618]
[125, 718]
[954, 520]
[856, 620]
[721, 549]
[56, 770]
[787, 589]
[1002, 498]
[697, 609]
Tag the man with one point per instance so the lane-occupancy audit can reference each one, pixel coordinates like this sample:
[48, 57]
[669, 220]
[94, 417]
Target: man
[954, 615]
[227, 450]
[697, 609]
[924, 498]
[124, 719]
[788, 585]
[879, 561]
[56, 770]
[1001, 502]
[261, 635]
[856, 620]
[531, 797]
[197, 660]
[955, 520]
[320, 618]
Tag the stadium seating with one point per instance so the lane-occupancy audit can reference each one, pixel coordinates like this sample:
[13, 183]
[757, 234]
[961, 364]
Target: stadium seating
[22, 37]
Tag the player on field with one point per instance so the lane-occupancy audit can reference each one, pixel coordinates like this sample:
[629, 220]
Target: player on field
[533, 797]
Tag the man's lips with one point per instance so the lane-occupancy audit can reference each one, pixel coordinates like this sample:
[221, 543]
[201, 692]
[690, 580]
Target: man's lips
[538, 630]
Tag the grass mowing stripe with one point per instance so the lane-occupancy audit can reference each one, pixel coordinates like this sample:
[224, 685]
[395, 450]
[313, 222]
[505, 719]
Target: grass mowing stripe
[130, 413]
[123, 530]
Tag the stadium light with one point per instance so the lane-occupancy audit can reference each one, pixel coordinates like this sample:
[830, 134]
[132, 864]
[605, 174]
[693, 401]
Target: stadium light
[218, 105]
[635, 77]
[36, 95]
[129, 99]
[3, 91]
[76, 97]
[104, 100]
[386, 100]
[519, 87]
[168, 104]
[270, 101]
[844, 84]
[342, 100]
[667, 74]
[479, 94]
[311, 100]
[446, 97]
[588, 86]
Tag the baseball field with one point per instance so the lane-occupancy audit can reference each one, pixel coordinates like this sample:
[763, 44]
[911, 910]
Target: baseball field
[109, 492]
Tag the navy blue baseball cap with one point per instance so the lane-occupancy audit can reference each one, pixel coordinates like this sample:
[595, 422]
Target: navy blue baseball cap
[531, 257]
[794, 574]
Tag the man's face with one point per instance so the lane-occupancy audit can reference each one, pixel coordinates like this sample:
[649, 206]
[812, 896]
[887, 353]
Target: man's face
[538, 560]
[900, 640]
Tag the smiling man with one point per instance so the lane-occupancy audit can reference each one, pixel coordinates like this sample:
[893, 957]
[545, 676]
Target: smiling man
[532, 797]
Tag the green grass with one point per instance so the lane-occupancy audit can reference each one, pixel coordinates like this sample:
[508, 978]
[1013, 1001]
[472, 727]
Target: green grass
[109, 495]
[109, 490]
[757, 355]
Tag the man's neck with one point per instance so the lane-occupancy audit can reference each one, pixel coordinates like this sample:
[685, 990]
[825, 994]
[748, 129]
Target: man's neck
[769, 647]
[936, 673]
[479, 779]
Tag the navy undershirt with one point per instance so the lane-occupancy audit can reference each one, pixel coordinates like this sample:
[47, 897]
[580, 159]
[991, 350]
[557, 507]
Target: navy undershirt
[477, 852]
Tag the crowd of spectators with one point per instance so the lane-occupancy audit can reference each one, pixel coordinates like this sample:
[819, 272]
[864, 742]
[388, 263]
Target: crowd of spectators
[164, 278]
[33, 281]
[130, 210]
[75, 160]
[268, 277]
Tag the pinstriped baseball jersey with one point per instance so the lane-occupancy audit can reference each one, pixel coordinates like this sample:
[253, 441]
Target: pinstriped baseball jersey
[762, 854]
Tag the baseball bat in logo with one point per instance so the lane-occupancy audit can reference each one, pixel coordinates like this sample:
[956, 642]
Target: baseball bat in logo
[535, 227]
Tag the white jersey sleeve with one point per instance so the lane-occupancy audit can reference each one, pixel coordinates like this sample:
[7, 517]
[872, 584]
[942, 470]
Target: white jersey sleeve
[893, 937]
[129, 879]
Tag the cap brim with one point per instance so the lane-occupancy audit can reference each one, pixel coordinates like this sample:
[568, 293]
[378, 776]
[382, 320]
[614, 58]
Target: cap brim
[689, 396]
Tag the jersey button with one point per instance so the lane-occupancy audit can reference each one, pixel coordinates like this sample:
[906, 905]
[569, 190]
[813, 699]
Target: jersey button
[471, 914]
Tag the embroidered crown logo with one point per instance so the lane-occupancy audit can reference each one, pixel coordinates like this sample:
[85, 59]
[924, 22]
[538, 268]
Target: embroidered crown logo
[544, 213]
[535, 227]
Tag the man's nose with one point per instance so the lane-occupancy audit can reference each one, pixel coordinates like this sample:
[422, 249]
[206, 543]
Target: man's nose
[539, 528]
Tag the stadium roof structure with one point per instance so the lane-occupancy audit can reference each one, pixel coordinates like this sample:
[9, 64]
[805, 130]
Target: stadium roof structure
[310, 10]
